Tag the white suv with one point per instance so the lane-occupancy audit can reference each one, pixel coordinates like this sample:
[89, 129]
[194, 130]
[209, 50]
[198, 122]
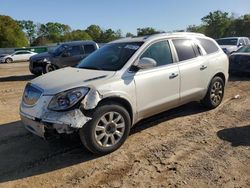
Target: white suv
[123, 82]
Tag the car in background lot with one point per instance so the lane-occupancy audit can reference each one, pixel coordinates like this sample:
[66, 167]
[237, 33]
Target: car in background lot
[123, 82]
[232, 44]
[66, 54]
[20, 55]
[239, 61]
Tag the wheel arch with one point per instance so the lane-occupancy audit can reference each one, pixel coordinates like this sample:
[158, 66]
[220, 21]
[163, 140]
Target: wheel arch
[121, 101]
[221, 75]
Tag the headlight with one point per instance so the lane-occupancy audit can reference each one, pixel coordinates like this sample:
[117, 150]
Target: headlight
[67, 99]
[46, 60]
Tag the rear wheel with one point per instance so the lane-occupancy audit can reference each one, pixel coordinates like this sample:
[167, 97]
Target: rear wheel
[215, 93]
[8, 60]
[108, 129]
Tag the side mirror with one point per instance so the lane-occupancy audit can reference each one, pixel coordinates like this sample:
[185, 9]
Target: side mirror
[240, 44]
[146, 63]
[65, 54]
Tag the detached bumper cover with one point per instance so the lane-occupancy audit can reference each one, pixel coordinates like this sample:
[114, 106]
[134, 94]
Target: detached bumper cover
[33, 126]
[64, 122]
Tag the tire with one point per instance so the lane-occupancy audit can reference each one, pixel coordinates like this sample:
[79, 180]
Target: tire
[215, 93]
[8, 60]
[101, 135]
[48, 68]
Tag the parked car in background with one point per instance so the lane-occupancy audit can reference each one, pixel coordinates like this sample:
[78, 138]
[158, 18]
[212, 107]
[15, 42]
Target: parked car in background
[20, 55]
[66, 54]
[123, 82]
[2, 60]
[232, 44]
[239, 61]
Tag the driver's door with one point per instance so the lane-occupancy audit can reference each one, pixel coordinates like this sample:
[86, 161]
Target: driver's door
[157, 89]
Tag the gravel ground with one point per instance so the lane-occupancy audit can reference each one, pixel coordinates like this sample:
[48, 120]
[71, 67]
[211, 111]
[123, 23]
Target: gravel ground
[184, 147]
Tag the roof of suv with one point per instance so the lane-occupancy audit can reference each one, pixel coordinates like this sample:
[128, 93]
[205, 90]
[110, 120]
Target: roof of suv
[156, 36]
[79, 42]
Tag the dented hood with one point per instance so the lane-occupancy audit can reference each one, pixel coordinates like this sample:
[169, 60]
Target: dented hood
[68, 78]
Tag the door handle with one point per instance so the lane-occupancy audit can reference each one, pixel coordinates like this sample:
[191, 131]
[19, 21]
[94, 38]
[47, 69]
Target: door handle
[203, 67]
[173, 75]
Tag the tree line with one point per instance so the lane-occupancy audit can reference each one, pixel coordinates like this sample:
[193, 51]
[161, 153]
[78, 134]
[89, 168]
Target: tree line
[19, 33]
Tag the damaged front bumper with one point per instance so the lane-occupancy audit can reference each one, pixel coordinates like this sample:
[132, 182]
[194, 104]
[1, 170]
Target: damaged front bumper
[54, 122]
[40, 121]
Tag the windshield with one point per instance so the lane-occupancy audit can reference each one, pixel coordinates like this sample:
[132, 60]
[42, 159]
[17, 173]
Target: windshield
[61, 48]
[110, 57]
[227, 41]
[244, 49]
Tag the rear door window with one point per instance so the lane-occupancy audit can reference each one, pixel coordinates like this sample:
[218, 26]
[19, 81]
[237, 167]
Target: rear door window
[89, 48]
[74, 50]
[184, 49]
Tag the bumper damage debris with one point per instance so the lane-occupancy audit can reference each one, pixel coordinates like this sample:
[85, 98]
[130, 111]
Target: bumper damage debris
[91, 100]
[74, 118]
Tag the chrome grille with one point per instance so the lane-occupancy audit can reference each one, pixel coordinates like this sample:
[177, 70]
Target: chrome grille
[31, 94]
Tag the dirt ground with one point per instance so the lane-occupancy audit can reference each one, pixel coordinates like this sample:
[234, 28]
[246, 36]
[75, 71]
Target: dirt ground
[184, 147]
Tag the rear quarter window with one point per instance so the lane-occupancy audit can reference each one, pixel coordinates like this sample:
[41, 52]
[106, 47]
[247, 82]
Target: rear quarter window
[208, 45]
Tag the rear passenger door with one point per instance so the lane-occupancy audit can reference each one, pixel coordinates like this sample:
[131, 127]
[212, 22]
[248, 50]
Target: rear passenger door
[157, 88]
[192, 69]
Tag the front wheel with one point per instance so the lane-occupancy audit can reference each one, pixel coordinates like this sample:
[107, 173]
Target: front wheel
[8, 60]
[48, 68]
[214, 94]
[108, 129]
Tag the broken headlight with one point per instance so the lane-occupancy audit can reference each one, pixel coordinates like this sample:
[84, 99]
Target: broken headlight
[67, 99]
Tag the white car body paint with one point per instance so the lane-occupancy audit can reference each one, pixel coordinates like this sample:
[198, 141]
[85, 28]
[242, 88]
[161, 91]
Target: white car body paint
[147, 91]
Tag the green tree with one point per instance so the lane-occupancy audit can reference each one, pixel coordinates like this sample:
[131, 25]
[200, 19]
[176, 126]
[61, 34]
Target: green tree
[146, 31]
[216, 24]
[129, 34]
[110, 35]
[196, 29]
[11, 34]
[95, 32]
[53, 31]
[77, 35]
[240, 26]
[41, 41]
[29, 28]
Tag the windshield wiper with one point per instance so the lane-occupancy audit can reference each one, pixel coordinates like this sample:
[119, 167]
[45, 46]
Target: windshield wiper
[93, 68]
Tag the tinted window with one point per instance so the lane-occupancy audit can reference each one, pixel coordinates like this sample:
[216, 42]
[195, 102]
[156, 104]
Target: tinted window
[25, 52]
[184, 49]
[208, 45]
[74, 50]
[60, 49]
[232, 41]
[160, 52]
[89, 48]
[111, 57]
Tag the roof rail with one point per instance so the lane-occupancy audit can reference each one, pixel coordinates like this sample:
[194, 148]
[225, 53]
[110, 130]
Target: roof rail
[173, 33]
